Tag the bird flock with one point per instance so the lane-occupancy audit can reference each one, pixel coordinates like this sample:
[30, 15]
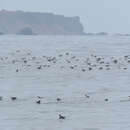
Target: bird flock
[24, 61]
[59, 100]
[66, 61]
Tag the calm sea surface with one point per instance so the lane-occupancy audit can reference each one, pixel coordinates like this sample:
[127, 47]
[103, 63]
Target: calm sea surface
[57, 67]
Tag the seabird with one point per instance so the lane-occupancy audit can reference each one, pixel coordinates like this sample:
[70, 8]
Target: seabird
[25, 61]
[89, 68]
[87, 96]
[115, 61]
[39, 97]
[58, 99]
[39, 67]
[38, 102]
[1, 98]
[13, 98]
[83, 70]
[106, 99]
[62, 117]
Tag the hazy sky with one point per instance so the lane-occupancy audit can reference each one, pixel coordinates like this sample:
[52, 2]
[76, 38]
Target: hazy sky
[96, 15]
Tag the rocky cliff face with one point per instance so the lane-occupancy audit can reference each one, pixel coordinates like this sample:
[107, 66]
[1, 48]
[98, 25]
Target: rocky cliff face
[39, 23]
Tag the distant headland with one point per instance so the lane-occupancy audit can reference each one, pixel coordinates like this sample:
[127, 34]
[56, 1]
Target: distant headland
[29, 23]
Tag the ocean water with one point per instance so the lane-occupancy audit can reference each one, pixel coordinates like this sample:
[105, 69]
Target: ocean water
[64, 73]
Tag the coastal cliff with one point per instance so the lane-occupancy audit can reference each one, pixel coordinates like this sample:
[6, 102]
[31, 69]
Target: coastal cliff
[19, 22]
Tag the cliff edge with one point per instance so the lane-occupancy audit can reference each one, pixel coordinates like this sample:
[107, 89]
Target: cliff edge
[18, 22]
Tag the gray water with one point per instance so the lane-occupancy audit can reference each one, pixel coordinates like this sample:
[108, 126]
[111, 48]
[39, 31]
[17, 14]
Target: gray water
[58, 80]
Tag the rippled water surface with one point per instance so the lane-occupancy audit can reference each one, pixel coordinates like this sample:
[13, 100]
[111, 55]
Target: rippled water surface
[66, 76]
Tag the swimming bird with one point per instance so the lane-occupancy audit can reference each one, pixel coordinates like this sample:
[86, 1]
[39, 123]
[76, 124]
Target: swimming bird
[83, 70]
[62, 117]
[38, 102]
[67, 53]
[58, 99]
[13, 98]
[72, 67]
[100, 68]
[25, 61]
[1, 98]
[17, 70]
[60, 55]
[107, 65]
[115, 61]
[39, 67]
[106, 99]
[87, 96]
[89, 68]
